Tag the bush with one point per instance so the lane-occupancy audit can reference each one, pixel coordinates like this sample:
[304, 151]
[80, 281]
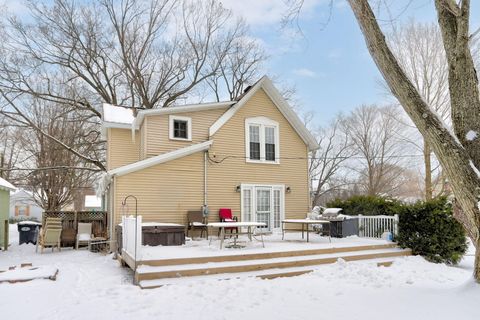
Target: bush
[429, 229]
[21, 218]
[367, 206]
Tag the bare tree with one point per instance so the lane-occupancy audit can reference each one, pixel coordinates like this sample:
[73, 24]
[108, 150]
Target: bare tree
[457, 151]
[373, 132]
[10, 149]
[240, 69]
[139, 53]
[50, 171]
[419, 50]
[327, 162]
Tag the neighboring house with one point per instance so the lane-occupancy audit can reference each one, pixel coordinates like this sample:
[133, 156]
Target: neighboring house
[22, 204]
[5, 189]
[249, 155]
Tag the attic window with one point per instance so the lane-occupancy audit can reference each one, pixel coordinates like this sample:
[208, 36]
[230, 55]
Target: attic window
[180, 128]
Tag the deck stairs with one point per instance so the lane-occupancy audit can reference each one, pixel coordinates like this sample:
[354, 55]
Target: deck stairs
[268, 265]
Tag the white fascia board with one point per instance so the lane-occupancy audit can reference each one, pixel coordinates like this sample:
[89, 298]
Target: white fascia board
[180, 109]
[281, 104]
[169, 156]
[230, 112]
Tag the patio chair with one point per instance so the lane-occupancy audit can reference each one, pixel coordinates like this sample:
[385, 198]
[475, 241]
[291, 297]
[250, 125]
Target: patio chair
[196, 222]
[49, 235]
[84, 234]
[225, 215]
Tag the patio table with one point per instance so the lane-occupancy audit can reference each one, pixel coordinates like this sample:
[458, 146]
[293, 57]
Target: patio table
[305, 223]
[251, 226]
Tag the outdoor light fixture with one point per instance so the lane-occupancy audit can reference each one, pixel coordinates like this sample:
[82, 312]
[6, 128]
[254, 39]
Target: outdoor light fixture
[238, 188]
[288, 189]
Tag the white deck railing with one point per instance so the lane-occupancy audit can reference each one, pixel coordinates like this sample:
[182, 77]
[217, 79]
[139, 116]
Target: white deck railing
[130, 245]
[375, 226]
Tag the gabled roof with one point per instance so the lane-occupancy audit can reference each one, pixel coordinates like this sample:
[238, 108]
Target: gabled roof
[266, 84]
[165, 157]
[180, 109]
[5, 185]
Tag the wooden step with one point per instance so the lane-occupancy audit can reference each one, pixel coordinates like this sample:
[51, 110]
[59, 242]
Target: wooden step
[262, 274]
[150, 273]
[266, 255]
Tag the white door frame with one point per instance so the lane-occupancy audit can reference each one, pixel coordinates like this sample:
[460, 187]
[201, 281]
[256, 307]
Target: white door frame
[253, 202]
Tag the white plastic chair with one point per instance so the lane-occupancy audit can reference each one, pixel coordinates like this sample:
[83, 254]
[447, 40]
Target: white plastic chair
[84, 234]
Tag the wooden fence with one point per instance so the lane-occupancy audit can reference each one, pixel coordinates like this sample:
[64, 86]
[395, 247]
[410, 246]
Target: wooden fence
[70, 220]
[375, 226]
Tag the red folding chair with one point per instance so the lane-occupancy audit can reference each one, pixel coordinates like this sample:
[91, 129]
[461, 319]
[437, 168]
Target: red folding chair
[225, 215]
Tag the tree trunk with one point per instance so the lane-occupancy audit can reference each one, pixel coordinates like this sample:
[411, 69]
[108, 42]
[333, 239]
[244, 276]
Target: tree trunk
[427, 151]
[476, 270]
[455, 160]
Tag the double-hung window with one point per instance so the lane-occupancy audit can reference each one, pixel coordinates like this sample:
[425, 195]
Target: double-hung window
[262, 140]
[180, 128]
[254, 135]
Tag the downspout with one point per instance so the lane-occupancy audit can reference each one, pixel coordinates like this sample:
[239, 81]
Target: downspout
[205, 178]
[112, 207]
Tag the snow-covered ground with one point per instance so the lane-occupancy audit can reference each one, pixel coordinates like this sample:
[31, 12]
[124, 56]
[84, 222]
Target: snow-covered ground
[92, 286]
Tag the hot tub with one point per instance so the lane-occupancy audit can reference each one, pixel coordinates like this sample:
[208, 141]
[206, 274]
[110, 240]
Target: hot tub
[157, 234]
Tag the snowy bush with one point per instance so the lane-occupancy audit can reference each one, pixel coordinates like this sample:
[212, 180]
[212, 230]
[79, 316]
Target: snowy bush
[367, 206]
[429, 229]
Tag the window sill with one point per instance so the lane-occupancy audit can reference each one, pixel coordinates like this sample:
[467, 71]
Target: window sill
[180, 139]
[262, 161]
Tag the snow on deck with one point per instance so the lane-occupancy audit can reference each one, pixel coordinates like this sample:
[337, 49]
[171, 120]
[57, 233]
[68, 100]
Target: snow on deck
[93, 286]
[273, 243]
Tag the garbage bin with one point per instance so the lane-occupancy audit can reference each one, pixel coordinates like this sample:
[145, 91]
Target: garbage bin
[28, 231]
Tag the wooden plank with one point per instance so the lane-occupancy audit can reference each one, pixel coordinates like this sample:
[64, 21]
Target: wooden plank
[283, 274]
[264, 266]
[267, 255]
[384, 264]
[128, 260]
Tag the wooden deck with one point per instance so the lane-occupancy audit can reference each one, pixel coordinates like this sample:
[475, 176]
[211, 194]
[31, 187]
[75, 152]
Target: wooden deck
[266, 265]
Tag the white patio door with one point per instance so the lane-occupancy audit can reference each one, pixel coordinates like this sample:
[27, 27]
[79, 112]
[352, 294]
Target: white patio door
[263, 203]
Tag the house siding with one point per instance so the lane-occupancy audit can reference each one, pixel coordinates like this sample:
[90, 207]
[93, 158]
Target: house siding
[121, 150]
[157, 138]
[230, 141]
[167, 191]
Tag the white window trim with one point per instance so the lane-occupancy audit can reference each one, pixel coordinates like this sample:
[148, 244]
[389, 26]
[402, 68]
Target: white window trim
[253, 201]
[262, 122]
[171, 119]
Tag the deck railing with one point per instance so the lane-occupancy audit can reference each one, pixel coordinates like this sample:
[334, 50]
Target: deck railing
[375, 226]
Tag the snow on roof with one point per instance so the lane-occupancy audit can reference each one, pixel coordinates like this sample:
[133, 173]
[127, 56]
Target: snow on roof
[93, 201]
[117, 114]
[5, 185]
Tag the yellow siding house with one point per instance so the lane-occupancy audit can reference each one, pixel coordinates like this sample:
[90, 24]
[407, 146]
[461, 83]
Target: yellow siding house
[249, 155]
